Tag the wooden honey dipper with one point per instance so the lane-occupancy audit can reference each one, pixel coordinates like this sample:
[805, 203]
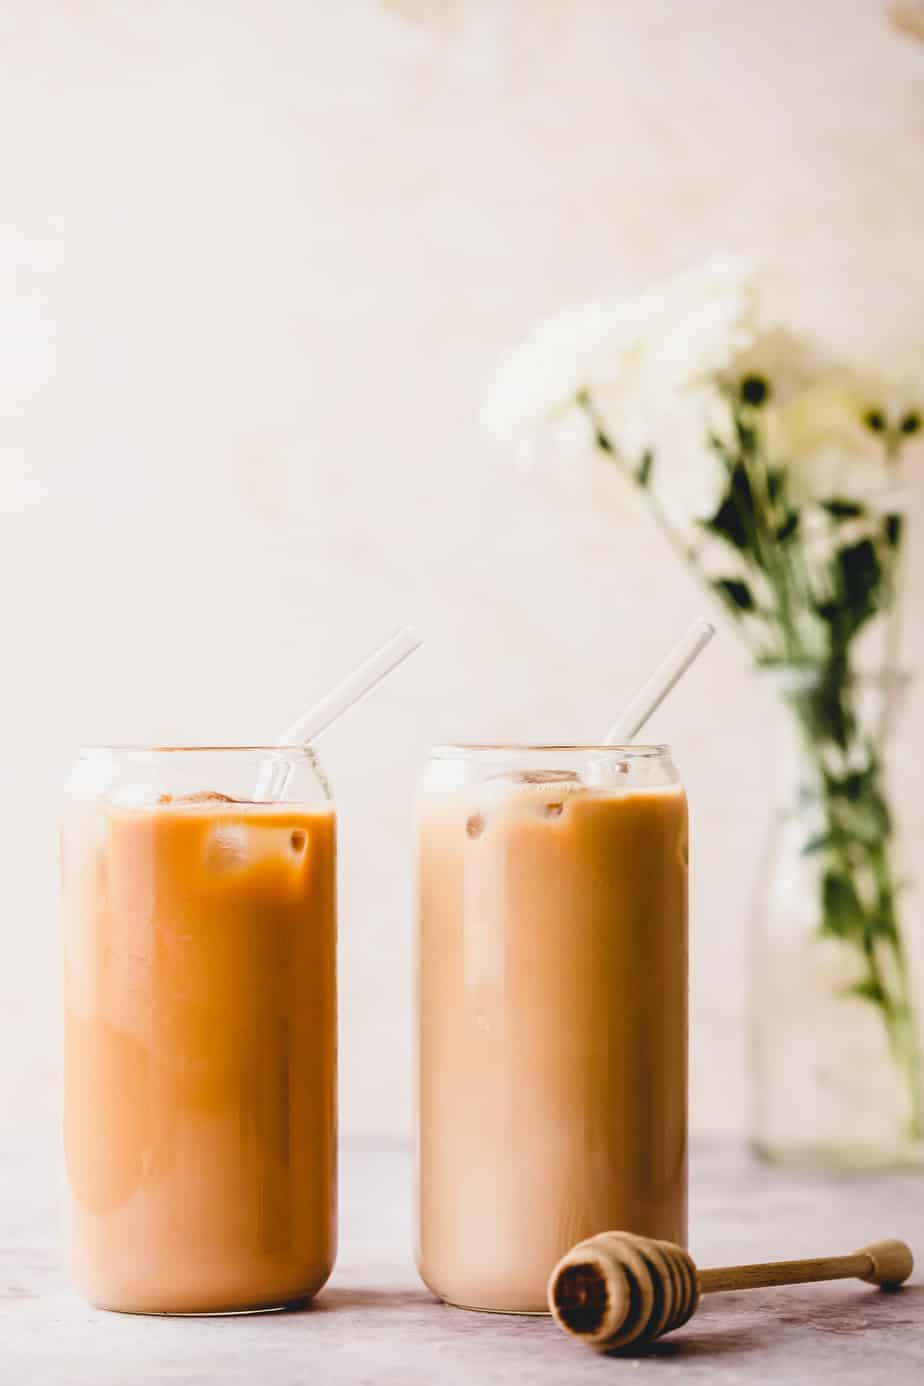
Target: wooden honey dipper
[617, 1290]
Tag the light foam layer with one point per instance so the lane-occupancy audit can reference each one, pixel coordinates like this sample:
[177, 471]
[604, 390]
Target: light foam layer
[208, 802]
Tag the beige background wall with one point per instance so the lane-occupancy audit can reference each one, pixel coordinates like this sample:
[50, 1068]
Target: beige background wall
[257, 259]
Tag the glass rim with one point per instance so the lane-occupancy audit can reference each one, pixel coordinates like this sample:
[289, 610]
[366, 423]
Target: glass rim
[642, 751]
[141, 748]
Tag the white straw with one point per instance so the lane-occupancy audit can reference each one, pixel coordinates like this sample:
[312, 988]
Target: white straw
[354, 686]
[273, 774]
[626, 728]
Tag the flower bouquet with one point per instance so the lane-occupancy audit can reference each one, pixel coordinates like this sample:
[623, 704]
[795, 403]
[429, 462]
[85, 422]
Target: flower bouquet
[775, 474]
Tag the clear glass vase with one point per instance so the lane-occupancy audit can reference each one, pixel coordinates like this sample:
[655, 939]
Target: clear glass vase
[835, 1029]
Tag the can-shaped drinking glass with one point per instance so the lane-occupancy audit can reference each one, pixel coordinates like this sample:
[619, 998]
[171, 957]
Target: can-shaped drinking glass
[200, 1028]
[551, 976]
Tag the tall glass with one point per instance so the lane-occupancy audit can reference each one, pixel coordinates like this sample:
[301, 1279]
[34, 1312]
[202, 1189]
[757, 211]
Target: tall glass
[552, 1002]
[200, 1028]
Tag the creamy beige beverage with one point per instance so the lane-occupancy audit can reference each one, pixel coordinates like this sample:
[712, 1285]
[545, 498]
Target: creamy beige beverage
[552, 993]
[200, 1125]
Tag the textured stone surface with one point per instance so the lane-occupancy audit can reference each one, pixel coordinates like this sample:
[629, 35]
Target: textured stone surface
[376, 1324]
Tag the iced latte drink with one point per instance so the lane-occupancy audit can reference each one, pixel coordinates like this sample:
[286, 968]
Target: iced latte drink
[552, 1001]
[200, 1012]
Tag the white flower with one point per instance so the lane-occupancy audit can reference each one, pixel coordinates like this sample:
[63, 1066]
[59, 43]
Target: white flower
[690, 328]
[839, 437]
[686, 475]
[543, 376]
[775, 366]
[633, 357]
[574, 433]
[893, 405]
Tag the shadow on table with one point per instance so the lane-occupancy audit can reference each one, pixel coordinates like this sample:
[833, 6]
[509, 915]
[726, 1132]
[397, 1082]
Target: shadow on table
[346, 1298]
[736, 1328]
[727, 1327]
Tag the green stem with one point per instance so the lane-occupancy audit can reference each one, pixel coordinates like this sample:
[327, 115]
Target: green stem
[684, 551]
[892, 637]
[875, 931]
[771, 556]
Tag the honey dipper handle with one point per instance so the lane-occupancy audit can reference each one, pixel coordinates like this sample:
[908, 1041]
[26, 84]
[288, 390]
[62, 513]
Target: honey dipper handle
[885, 1263]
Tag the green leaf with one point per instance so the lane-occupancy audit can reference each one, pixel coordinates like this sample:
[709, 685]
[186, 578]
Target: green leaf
[643, 475]
[736, 593]
[734, 519]
[867, 989]
[775, 479]
[857, 578]
[886, 926]
[789, 526]
[872, 820]
[828, 611]
[747, 436]
[861, 810]
[860, 571]
[842, 911]
[819, 843]
[843, 509]
[823, 708]
[856, 783]
[727, 524]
